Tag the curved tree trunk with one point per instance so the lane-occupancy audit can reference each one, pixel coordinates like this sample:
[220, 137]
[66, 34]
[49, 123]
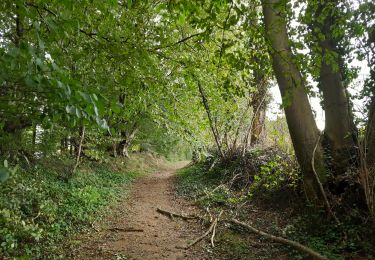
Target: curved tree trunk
[340, 132]
[301, 123]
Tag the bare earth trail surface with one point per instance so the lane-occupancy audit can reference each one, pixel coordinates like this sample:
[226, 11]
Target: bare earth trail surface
[135, 230]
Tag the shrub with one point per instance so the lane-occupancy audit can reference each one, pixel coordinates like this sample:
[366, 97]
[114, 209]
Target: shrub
[39, 207]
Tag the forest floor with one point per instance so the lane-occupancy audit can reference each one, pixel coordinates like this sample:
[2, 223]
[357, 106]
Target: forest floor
[135, 230]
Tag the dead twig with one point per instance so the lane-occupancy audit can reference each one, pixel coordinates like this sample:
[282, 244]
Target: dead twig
[214, 229]
[214, 223]
[209, 213]
[213, 165]
[209, 230]
[126, 229]
[281, 240]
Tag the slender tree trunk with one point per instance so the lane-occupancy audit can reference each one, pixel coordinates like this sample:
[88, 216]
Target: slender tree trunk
[71, 146]
[19, 27]
[213, 128]
[340, 132]
[62, 145]
[114, 148]
[301, 123]
[34, 136]
[82, 135]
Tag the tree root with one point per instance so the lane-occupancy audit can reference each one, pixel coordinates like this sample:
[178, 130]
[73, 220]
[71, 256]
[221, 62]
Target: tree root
[171, 215]
[281, 240]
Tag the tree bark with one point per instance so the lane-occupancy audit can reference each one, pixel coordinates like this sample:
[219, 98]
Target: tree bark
[301, 123]
[257, 126]
[114, 149]
[259, 105]
[128, 136]
[370, 129]
[19, 27]
[82, 135]
[340, 132]
[34, 136]
[123, 148]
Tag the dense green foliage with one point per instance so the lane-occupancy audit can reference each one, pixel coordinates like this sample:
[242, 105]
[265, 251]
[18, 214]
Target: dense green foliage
[89, 81]
[40, 207]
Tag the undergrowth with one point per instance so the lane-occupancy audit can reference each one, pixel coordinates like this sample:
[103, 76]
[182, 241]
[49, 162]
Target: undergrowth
[264, 189]
[40, 206]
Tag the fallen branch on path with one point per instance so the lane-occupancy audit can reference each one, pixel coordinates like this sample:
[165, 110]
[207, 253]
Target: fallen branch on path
[281, 240]
[126, 229]
[214, 223]
[173, 214]
[209, 230]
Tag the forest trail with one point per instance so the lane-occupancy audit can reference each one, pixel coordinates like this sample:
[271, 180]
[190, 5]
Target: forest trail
[157, 236]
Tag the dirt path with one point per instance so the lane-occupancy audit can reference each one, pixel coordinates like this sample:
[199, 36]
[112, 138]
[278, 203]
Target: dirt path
[161, 238]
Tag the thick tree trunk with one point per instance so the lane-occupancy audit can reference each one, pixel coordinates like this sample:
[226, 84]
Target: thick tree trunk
[301, 123]
[370, 136]
[128, 136]
[370, 129]
[340, 132]
[259, 105]
[257, 126]
[123, 148]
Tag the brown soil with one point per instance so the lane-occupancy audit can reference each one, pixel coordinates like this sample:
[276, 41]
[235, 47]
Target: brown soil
[160, 237]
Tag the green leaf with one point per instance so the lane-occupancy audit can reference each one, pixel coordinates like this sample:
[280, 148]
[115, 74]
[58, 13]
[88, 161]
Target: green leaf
[70, 109]
[116, 107]
[85, 96]
[78, 113]
[4, 174]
